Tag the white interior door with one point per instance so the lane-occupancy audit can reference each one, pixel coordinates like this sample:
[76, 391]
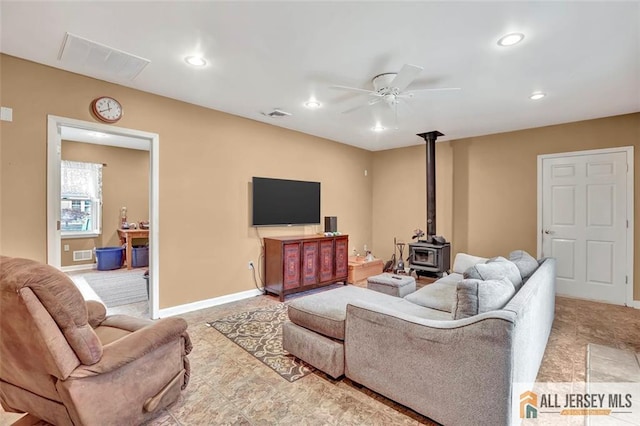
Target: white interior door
[584, 223]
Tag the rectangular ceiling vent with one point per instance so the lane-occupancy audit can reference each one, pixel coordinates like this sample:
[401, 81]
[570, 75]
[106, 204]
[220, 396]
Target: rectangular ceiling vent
[277, 113]
[95, 59]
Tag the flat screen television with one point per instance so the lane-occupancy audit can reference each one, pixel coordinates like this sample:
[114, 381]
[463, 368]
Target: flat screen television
[285, 202]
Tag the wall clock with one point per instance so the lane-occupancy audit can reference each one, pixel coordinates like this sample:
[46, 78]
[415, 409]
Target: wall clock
[106, 109]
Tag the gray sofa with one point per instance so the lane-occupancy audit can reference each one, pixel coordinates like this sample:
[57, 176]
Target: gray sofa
[450, 351]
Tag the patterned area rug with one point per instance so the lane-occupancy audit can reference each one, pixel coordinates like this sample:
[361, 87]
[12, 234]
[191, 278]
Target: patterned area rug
[118, 288]
[259, 332]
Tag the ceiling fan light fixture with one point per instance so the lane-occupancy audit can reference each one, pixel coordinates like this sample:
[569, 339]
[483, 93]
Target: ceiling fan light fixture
[195, 61]
[312, 104]
[537, 95]
[510, 39]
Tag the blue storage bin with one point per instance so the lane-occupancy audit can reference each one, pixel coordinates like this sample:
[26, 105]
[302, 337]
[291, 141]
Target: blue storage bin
[109, 258]
[140, 256]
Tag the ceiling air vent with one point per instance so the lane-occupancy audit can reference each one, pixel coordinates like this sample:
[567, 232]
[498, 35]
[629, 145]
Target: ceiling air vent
[95, 59]
[277, 113]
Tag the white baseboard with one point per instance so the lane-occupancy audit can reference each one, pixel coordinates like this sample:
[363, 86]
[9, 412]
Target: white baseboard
[208, 303]
[82, 267]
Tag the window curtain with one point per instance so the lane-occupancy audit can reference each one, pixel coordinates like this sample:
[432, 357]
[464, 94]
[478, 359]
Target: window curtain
[81, 180]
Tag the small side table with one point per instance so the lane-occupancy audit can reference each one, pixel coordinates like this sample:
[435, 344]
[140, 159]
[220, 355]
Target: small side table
[126, 237]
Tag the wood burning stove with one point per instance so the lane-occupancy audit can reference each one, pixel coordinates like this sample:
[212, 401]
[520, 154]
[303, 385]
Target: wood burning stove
[431, 256]
[429, 259]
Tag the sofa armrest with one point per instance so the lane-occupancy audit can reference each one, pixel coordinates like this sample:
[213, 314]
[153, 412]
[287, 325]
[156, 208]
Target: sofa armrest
[126, 322]
[134, 346]
[96, 313]
[429, 365]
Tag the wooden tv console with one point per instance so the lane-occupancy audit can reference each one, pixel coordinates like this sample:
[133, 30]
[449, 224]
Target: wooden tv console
[295, 264]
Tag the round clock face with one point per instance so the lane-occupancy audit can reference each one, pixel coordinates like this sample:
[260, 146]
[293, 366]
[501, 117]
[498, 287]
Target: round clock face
[107, 109]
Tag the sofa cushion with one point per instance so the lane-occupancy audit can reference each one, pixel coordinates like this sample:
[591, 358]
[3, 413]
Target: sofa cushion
[476, 297]
[438, 296]
[325, 312]
[410, 308]
[465, 261]
[526, 263]
[451, 279]
[495, 269]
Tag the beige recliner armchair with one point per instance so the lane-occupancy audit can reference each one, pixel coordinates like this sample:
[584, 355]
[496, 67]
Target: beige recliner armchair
[64, 361]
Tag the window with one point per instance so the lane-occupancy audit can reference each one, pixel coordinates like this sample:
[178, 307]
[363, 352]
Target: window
[81, 199]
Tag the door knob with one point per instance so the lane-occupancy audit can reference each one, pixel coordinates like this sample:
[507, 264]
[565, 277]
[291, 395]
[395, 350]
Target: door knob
[549, 232]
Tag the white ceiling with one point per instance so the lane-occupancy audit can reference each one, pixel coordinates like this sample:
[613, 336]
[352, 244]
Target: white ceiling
[265, 55]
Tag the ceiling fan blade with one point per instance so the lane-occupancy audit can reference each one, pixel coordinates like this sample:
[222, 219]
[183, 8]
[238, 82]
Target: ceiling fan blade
[354, 89]
[357, 107]
[441, 89]
[406, 75]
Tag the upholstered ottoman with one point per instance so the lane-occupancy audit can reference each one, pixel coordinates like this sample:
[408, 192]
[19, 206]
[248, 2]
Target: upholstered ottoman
[392, 284]
[315, 330]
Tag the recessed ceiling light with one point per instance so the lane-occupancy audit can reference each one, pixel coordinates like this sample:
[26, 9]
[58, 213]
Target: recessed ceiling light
[196, 61]
[378, 128]
[510, 39]
[537, 95]
[312, 104]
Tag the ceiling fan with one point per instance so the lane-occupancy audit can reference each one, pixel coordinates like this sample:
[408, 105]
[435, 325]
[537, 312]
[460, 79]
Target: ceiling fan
[391, 88]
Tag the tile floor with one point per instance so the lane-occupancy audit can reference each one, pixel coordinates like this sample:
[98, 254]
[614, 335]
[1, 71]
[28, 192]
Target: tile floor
[229, 386]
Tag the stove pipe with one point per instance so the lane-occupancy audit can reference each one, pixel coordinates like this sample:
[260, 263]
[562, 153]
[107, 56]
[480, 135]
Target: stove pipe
[430, 139]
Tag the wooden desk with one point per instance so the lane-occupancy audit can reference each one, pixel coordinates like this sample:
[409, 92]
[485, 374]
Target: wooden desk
[126, 237]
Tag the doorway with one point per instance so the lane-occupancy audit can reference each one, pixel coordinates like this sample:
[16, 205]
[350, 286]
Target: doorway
[55, 127]
[585, 221]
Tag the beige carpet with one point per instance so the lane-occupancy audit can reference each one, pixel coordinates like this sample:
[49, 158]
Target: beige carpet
[117, 289]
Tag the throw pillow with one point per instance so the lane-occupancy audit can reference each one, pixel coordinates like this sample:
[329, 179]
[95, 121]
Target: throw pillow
[526, 263]
[496, 269]
[464, 261]
[475, 297]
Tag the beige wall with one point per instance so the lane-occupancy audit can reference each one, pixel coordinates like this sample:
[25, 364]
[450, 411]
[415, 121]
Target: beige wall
[493, 183]
[399, 195]
[207, 160]
[125, 183]
[486, 186]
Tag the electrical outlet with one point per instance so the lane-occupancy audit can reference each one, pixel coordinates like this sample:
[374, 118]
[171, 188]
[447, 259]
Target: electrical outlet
[250, 266]
[66, 247]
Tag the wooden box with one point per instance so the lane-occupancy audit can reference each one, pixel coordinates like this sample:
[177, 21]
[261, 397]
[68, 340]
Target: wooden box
[360, 270]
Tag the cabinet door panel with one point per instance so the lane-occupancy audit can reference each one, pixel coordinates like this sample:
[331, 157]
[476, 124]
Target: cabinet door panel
[326, 260]
[291, 278]
[341, 257]
[310, 263]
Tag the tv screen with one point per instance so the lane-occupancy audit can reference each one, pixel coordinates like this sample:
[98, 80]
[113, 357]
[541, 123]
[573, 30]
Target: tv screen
[285, 202]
